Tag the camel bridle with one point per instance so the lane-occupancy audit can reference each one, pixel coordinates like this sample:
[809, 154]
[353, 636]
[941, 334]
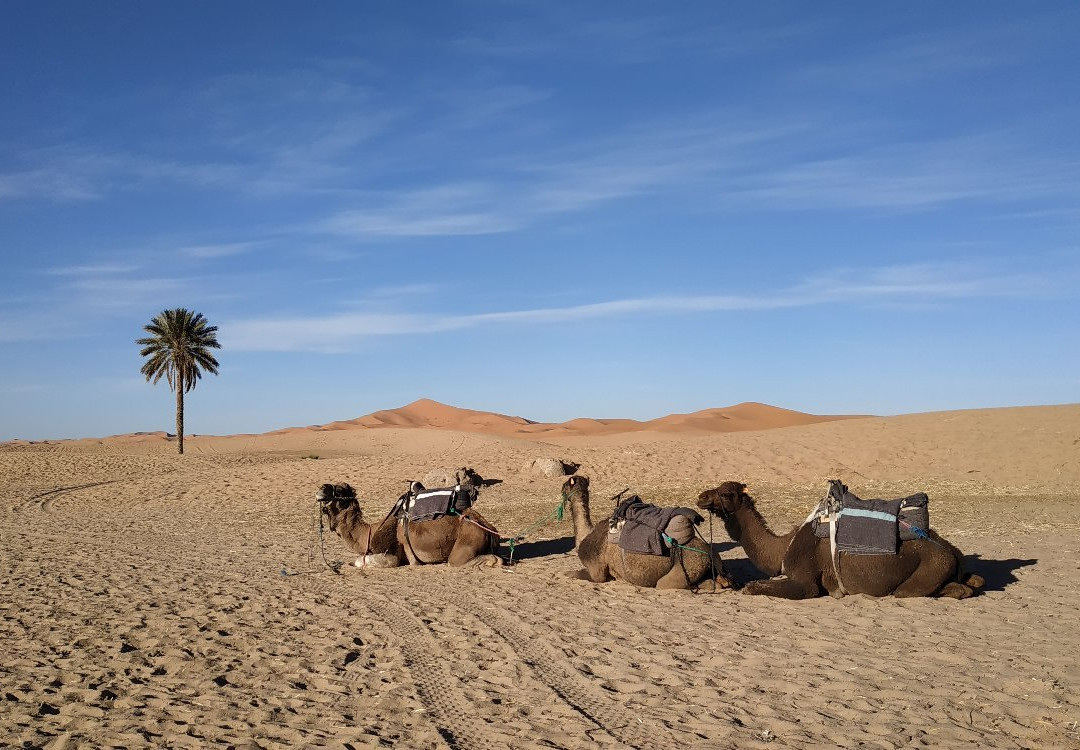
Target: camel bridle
[577, 489]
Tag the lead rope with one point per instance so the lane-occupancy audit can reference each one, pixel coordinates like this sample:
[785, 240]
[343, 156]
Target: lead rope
[336, 567]
[712, 555]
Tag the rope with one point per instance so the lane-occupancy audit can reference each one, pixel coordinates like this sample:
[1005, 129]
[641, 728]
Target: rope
[672, 543]
[454, 512]
[557, 512]
[334, 567]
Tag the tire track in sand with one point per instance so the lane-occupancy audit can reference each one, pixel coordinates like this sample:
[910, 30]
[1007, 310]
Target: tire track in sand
[46, 501]
[437, 689]
[613, 718]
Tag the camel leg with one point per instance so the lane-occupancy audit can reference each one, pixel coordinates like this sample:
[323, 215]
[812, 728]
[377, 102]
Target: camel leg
[723, 582]
[954, 590]
[928, 580]
[594, 573]
[464, 554]
[673, 579]
[783, 587]
[410, 556]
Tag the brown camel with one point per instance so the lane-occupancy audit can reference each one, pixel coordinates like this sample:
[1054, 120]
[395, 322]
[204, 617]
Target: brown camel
[802, 563]
[604, 561]
[463, 538]
[376, 547]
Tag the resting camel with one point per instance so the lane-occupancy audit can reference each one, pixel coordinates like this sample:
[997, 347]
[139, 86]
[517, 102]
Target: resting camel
[802, 563]
[605, 561]
[460, 539]
[377, 548]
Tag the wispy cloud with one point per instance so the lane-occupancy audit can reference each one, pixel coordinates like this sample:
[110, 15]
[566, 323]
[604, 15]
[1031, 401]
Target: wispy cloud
[220, 250]
[91, 269]
[725, 162]
[911, 284]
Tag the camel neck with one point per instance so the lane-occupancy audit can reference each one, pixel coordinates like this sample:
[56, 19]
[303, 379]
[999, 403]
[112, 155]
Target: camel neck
[579, 514]
[356, 532]
[764, 549]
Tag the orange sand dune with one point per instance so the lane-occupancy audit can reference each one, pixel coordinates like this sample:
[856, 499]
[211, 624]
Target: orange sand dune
[426, 413]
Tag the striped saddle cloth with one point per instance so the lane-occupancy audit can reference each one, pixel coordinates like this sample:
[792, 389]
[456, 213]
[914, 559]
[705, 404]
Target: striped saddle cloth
[420, 504]
[871, 527]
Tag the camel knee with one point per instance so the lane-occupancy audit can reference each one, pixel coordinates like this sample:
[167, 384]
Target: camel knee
[781, 587]
[670, 583]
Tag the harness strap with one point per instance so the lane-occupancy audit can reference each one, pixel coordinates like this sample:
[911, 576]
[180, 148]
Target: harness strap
[373, 529]
[835, 558]
[408, 539]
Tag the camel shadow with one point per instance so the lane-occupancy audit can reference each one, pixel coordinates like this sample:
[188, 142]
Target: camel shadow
[741, 571]
[531, 550]
[997, 573]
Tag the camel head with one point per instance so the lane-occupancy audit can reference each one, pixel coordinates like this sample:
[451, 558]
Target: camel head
[725, 500]
[575, 485]
[468, 475]
[334, 500]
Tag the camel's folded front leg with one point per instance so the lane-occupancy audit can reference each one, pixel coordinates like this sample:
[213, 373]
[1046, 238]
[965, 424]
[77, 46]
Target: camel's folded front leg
[783, 588]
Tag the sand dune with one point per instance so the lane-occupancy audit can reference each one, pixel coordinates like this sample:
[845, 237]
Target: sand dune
[153, 600]
[426, 413]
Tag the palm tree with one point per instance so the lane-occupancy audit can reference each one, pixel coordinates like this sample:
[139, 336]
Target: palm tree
[178, 349]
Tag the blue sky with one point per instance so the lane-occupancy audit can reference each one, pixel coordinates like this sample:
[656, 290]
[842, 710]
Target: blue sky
[554, 210]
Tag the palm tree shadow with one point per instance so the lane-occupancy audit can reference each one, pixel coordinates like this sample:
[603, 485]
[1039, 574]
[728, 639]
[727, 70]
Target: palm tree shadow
[997, 573]
[531, 550]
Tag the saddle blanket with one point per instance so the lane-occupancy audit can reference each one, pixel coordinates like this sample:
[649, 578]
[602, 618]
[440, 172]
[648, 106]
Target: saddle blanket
[644, 529]
[421, 504]
[871, 527]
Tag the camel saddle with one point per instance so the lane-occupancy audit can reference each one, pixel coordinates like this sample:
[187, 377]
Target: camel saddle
[644, 529]
[870, 527]
[421, 504]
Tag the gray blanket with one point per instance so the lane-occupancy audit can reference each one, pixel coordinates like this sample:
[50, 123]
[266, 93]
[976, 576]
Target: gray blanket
[644, 525]
[867, 527]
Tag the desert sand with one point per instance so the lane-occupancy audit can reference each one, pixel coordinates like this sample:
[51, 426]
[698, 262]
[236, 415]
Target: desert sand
[156, 600]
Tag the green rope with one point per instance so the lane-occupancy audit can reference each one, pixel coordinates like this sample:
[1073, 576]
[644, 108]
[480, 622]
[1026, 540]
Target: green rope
[556, 513]
[673, 543]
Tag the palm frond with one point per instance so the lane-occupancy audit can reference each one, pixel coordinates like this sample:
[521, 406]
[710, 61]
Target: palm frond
[178, 347]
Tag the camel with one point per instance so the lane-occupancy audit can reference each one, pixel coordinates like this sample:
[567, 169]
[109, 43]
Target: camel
[802, 563]
[458, 539]
[605, 561]
[376, 547]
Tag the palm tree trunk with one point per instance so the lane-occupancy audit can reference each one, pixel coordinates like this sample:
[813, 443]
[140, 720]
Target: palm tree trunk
[180, 413]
